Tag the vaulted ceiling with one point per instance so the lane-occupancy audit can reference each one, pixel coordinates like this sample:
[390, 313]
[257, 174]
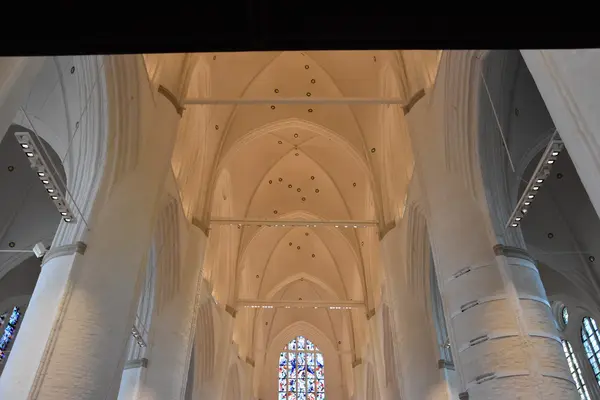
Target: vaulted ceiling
[328, 160]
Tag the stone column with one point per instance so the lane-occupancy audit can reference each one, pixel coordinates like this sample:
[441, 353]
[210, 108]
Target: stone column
[502, 335]
[17, 76]
[172, 330]
[72, 341]
[569, 82]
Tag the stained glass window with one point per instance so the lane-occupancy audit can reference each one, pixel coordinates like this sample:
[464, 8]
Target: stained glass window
[575, 371]
[591, 344]
[9, 331]
[301, 371]
[565, 315]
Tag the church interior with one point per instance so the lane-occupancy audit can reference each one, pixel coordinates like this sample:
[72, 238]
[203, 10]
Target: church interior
[288, 225]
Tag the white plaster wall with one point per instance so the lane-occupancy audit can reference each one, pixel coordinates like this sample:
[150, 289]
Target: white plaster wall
[419, 376]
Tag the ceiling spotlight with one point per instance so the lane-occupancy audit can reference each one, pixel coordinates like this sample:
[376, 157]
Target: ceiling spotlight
[337, 226]
[518, 219]
[550, 161]
[555, 153]
[524, 211]
[63, 213]
[514, 224]
[45, 181]
[527, 203]
[540, 180]
[355, 226]
[41, 173]
[536, 188]
[50, 190]
[29, 154]
[24, 145]
[54, 197]
[530, 196]
[67, 219]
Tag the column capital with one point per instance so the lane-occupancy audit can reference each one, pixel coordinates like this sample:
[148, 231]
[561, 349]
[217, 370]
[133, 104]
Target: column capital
[509, 251]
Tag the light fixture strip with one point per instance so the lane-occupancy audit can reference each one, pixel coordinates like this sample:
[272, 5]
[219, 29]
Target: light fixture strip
[44, 173]
[288, 223]
[540, 174]
[138, 336]
[331, 305]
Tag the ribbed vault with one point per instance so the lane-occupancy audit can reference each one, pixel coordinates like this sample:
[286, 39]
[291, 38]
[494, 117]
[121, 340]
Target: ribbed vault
[324, 161]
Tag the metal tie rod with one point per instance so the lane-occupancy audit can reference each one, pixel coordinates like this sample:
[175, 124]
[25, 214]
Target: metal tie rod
[298, 100]
[296, 222]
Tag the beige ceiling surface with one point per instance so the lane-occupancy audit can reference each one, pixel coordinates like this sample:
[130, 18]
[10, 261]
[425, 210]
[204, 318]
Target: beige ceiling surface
[296, 161]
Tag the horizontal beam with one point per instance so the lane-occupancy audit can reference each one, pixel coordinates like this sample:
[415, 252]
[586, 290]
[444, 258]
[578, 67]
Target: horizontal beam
[298, 100]
[292, 222]
[332, 305]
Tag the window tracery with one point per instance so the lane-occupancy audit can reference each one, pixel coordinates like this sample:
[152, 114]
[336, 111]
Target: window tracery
[590, 338]
[301, 371]
[575, 370]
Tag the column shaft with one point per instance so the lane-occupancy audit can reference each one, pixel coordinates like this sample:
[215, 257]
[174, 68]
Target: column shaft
[172, 330]
[499, 352]
[72, 341]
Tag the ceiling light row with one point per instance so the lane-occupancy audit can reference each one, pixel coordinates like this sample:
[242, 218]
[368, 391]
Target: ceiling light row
[289, 307]
[138, 337]
[538, 178]
[38, 164]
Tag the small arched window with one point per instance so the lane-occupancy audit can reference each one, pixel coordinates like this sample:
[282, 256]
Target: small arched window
[575, 371]
[591, 343]
[301, 372]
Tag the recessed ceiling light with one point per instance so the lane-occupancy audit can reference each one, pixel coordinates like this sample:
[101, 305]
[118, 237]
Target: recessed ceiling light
[272, 107]
[527, 203]
[555, 153]
[24, 145]
[310, 110]
[41, 173]
[313, 81]
[550, 161]
[536, 188]
[29, 154]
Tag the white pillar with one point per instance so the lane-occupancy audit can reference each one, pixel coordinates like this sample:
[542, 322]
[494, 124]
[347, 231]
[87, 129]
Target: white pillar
[502, 333]
[71, 344]
[17, 76]
[172, 329]
[569, 82]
